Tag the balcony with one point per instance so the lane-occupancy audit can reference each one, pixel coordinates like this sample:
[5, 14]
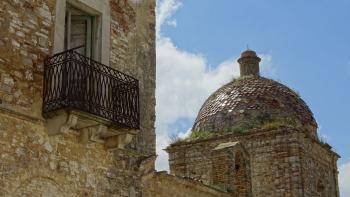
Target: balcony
[83, 94]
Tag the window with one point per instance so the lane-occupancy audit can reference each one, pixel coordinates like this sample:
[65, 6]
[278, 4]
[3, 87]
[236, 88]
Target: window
[83, 22]
[80, 31]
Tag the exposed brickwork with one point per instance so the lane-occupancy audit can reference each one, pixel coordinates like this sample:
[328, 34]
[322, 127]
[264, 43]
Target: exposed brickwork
[241, 180]
[164, 185]
[319, 169]
[277, 163]
[223, 169]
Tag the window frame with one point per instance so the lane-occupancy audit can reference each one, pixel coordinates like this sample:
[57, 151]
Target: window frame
[98, 8]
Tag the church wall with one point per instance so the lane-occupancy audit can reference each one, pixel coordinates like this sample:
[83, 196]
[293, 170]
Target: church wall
[161, 184]
[272, 156]
[319, 169]
[275, 164]
[192, 160]
[33, 163]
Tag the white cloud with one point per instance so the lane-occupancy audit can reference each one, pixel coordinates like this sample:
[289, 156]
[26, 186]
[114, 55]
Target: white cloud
[164, 11]
[344, 179]
[184, 80]
[172, 23]
[267, 68]
[184, 135]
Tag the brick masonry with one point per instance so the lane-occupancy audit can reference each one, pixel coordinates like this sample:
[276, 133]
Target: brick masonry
[161, 184]
[277, 162]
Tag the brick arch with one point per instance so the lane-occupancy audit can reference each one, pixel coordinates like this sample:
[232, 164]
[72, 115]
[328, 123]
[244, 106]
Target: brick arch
[231, 169]
[241, 173]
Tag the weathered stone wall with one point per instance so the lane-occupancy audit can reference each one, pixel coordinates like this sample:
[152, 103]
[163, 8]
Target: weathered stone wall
[275, 167]
[275, 162]
[164, 185]
[33, 163]
[319, 168]
[26, 29]
[223, 163]
[133, 52]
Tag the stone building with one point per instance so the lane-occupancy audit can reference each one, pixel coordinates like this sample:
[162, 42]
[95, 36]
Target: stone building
[77, 101]
[77, 112]
[256, 137]
[77, 97]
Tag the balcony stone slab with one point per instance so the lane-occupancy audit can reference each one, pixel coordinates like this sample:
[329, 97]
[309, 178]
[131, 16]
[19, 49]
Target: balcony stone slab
[91, 128]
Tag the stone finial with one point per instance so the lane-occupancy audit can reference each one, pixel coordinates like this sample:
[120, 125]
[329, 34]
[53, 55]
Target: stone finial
[249, 63]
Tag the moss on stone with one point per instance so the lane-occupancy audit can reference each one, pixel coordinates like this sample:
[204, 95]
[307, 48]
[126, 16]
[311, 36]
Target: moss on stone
[197, 135]
[200, 135]
[266, 121]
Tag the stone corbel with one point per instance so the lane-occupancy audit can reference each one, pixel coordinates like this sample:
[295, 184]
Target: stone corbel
[92, 133]
[61, 123]
[89, 129]
[97, 134]
[118, 141]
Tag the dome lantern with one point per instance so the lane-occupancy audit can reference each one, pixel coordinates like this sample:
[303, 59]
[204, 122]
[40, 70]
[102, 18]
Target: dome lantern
[249, 63]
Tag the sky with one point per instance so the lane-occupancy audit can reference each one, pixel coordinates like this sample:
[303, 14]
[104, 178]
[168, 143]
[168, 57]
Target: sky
[303, 44]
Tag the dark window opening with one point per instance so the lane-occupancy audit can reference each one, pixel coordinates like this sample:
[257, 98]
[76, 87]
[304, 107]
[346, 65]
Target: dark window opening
[80, 31]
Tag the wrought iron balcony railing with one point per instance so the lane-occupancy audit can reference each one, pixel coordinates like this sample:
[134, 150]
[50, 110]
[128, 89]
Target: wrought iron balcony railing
[75, 82]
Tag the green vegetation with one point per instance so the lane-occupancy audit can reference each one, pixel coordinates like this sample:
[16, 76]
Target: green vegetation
[265, 121]
[175, 139]
[200, 135]
[193, 136]
[323, 142]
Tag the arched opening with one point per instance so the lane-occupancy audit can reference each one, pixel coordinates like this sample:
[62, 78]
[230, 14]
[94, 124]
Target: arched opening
[241, 180]
[231, 168]
[321, 188]
[223, 171]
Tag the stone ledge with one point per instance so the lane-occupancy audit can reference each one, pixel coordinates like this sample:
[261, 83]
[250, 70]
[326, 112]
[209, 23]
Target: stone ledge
[183, 186]
[22, 116]
[90, 127]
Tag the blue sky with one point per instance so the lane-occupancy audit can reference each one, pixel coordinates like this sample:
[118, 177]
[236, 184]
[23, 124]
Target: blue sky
[303, 44]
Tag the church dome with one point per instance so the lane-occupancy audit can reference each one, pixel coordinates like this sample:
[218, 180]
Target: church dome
[252, 101]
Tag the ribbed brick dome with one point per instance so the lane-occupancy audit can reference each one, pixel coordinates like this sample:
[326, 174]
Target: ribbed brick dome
[252, 101]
